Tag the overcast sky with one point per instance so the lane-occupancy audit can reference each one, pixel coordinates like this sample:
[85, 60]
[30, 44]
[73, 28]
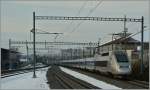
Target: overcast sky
[16, 19]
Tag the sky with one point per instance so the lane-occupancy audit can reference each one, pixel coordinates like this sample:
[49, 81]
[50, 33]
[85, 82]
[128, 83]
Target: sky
[17, 19]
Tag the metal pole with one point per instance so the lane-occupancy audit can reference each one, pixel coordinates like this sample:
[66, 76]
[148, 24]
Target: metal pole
[45, 43]
[76, 53]
[83, 58]
[99, 45]
[90, 50]
[71, 55]
[142, 44]
[27, 52]
[112, 42]
[10, 62]
[83, 52]
[62, 54]
[125, 32]
[34, 56]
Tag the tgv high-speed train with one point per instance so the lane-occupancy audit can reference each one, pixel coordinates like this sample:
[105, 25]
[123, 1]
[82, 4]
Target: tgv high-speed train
[114, 62]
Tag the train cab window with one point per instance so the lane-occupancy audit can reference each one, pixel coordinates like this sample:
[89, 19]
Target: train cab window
[121, 57]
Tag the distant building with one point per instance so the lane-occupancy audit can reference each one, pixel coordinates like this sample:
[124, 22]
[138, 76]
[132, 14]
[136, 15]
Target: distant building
[128, 44]
[14, 59]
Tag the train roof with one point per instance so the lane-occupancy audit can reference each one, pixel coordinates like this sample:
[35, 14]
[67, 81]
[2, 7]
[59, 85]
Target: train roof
[87, 60]
[79, 60]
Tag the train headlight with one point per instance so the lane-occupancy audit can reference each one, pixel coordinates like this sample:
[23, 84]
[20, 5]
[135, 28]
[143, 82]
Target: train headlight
[129, 66]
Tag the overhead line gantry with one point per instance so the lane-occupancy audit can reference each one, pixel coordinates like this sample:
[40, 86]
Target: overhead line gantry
[53, 43]
[141, 20]
[87, 18]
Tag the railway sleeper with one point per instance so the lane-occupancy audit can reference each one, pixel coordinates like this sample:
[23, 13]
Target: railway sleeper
[71, 83]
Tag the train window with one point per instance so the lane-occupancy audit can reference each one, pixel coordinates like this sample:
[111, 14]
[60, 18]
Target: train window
[121, 57]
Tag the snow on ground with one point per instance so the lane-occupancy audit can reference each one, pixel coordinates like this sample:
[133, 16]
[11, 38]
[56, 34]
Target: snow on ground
[26, 81]
[90, 80]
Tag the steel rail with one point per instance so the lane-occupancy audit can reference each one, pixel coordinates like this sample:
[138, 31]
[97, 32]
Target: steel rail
[69, 82]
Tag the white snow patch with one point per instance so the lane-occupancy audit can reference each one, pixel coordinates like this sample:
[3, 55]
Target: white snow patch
[90, 80]
[26, 81]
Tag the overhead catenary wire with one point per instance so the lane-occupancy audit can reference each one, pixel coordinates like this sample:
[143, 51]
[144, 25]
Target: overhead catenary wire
[78, 14]
[39, 31]
[79, 24]
[90, 12]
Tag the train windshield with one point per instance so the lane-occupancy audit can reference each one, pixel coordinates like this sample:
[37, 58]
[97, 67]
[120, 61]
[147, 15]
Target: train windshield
[121, 57]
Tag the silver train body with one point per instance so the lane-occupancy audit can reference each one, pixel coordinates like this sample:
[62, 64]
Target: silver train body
[115, 63]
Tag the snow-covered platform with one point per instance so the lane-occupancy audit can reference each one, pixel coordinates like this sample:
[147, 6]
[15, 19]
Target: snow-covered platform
[90, 80]
[26, 81]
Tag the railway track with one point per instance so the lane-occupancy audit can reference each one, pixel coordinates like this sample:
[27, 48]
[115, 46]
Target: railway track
[15, 73]
[139, 83]
[69, 82]
[9, 73]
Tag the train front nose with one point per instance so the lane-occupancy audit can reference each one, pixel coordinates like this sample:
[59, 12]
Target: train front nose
[124, 70]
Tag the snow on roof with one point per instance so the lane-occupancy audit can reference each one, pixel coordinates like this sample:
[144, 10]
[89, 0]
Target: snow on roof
[122, 40]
